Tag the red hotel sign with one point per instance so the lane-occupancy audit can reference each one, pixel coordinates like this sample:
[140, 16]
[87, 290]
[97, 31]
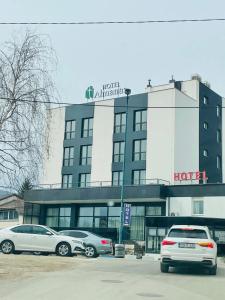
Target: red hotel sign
[190, 176]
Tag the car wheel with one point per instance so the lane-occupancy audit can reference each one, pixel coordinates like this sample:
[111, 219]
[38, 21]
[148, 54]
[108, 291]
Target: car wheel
[164, 268]
[63, 249]
[90, 251]
[7, 247]
[213, 270]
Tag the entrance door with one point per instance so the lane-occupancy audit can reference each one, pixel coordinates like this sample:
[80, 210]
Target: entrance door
[154, 237]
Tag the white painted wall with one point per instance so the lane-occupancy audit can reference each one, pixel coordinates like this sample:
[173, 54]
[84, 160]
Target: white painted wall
[160, 135]
[102, 148]
[191, 88]
[186, 148]
[181, 206]
[214, 207]
[53, 160]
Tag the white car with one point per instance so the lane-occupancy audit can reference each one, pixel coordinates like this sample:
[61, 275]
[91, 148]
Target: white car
[187, 245]
[38, 238]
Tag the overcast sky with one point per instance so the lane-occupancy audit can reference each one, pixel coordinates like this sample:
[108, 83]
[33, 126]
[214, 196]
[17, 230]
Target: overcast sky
[130, 54]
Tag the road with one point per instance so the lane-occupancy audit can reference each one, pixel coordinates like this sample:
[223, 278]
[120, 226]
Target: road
[117, 279]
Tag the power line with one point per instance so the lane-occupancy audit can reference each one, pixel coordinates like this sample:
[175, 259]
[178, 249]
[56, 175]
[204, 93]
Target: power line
[117, 22]
[95, 104]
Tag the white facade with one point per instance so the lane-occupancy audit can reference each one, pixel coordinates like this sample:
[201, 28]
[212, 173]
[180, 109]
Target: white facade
[168, 151]
[102, 147]
[53, 154]
[213, 207]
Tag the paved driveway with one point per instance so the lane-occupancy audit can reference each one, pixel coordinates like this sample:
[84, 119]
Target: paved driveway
[110, 278]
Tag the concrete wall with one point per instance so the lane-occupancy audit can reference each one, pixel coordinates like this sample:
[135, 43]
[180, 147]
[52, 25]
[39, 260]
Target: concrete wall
[53, 158]
[214, 207]
[160, 135]
[191, 88]
[186, 141]
[102, 147]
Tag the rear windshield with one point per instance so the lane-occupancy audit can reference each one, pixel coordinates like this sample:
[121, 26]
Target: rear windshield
[188, 233]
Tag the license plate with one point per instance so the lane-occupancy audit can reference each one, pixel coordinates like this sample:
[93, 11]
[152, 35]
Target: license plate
[186, 245]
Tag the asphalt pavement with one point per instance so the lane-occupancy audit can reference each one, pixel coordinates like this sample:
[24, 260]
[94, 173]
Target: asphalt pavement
[118, 279]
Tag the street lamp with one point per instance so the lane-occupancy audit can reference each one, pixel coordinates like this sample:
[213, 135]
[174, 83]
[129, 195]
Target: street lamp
[127, 92]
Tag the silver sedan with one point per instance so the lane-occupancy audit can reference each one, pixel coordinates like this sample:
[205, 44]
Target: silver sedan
[95, 244]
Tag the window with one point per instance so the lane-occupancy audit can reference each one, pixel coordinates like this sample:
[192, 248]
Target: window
[77, 234]
[84, 180]
[86, 152]
[218, 162]
[205, 153]
[205, 100]
[140, 120]
[118, 152]
[139, 150]
[153, 211]
[138, 177]
[67, 181]
[117, 178]
[70, 130]
[188, 234]
[205, 125]
[218, 111]
[198, 207]
[31, 213]
[137, 223]
[39, 230]
[86, 217]
[68, 156]
[10, 214]
[120, 123]
[58, 217]
[22, 229]
[87, 127]
[218, 136]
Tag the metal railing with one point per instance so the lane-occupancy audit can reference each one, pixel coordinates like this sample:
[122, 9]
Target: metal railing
[93, 184]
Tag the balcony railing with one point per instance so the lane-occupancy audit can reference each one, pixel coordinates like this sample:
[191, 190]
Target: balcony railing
[93, 184]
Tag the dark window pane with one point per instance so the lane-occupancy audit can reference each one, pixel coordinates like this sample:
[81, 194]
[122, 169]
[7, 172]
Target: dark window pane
[190, 234]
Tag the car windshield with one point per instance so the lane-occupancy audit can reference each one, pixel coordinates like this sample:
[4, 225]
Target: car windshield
[188, 233]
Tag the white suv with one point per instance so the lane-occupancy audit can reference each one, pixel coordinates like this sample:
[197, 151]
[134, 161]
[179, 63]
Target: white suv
[187, 245]
[38, 238]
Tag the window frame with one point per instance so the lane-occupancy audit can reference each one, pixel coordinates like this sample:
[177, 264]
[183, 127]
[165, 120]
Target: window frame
[85, 160]
[68, 184]
[86, 182]
[121, 126]
[70, 134]
[68, 162]
[120, 154]
[119, 180]
[194, 201]
[141, 153]
[142, 124]
[139, 172]
[87, 130]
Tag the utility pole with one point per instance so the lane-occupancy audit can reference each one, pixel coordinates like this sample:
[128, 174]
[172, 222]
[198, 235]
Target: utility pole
[127, 92]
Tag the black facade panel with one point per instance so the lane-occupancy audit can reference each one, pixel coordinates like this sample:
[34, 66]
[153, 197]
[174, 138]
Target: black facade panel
[208, 137]
[96, 193]
[78, 113]
[136, 102]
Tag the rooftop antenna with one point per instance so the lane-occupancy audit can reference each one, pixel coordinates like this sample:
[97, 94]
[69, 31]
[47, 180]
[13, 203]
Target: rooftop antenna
[149, 83]
[172, 79]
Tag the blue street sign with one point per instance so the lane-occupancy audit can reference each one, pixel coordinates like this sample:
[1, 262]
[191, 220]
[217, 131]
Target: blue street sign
[126, 214]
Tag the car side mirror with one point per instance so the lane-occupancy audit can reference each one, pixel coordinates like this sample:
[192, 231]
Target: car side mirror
[48, 233]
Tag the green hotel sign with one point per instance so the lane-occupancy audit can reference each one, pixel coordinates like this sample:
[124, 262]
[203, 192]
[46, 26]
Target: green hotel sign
[107, 90]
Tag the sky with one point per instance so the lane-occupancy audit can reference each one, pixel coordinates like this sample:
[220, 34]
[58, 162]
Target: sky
[129, 54]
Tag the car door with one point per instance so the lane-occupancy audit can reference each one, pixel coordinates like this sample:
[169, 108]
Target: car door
[43, 240]
[22, 237]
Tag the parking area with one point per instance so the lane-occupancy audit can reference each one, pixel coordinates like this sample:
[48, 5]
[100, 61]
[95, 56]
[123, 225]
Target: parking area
[106, 277]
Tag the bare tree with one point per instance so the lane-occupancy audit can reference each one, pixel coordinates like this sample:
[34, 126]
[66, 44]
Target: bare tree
[26, 89]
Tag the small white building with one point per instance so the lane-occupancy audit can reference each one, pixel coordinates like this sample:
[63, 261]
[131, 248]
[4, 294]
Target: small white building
[11, 210]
